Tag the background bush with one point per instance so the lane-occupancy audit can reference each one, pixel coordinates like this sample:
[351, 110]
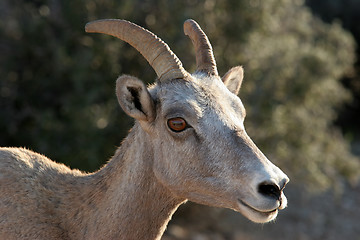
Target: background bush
[57, 87]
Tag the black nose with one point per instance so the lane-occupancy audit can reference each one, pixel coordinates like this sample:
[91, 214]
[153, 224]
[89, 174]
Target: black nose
[270, 189]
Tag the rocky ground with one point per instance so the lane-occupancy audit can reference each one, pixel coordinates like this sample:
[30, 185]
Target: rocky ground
[323, 216]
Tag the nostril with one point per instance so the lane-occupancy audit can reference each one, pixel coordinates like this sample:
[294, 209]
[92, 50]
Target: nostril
[270, 190]
[283, 183]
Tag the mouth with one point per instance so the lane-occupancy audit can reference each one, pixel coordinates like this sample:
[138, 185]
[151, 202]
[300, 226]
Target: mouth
[256, 210]
[257, 215]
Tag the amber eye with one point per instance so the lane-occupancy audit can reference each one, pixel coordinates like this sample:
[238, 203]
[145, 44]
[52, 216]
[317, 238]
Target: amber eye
[177, 124]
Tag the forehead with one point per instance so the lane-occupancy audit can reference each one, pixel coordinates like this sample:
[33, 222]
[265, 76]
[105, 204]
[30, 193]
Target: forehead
[200, 97]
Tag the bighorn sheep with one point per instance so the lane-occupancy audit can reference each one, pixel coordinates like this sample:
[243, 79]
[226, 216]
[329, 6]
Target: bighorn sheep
[188, 143]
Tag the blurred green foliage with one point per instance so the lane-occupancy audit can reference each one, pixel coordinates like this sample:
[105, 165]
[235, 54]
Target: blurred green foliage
[57, 87]
[346, 12]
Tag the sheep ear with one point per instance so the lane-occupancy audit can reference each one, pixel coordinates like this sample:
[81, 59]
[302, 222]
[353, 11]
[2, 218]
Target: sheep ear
[233, 79]
[134, 98]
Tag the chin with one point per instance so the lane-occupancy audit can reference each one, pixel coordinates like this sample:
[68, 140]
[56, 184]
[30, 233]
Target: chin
[256, 215]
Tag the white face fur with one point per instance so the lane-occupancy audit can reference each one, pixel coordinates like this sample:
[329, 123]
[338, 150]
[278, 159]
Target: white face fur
[212, 161]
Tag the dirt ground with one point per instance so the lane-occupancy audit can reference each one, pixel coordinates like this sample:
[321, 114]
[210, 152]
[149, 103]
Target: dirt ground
[324, 216]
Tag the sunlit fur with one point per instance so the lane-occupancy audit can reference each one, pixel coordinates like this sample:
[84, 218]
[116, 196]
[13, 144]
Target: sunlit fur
[212, 162]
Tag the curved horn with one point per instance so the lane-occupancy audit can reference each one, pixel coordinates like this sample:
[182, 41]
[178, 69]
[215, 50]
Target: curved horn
[165, 63]
[205, 61]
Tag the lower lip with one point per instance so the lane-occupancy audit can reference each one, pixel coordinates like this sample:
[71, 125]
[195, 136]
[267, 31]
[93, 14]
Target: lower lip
[250, 207]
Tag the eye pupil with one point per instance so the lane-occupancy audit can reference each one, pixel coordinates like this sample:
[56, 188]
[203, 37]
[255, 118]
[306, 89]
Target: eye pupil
[177, 124]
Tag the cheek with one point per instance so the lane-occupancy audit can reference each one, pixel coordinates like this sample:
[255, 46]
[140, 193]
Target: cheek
[175, 162]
